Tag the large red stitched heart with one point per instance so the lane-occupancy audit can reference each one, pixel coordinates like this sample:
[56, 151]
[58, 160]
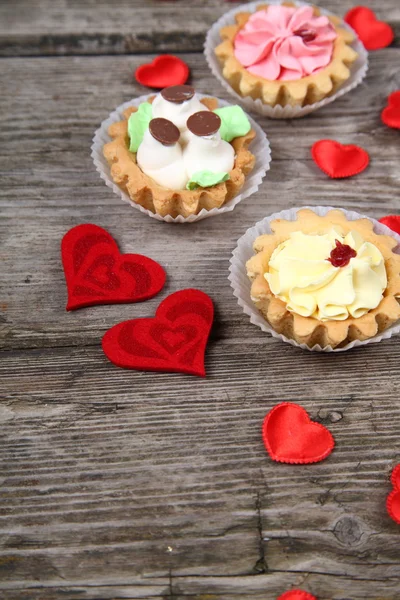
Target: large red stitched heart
[338, 160]
[391, 113]
[391, 221]
[374, 34]
[297, 595]
[291, 437]
[173, 341]
[163, 71]
[97, 273]
[393, 500]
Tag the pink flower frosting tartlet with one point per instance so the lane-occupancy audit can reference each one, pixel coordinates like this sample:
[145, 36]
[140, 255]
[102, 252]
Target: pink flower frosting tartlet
[286, 54]
[285, 43]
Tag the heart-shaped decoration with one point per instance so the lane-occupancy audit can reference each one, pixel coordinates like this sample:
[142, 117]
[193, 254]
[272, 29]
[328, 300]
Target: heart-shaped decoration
[97, 273]
[373, 33]
[338, 160]
[163, 71]
[291, 437]
[391, 113]
[393, 500]
[297, 595]
[391, 221]
[173, 341]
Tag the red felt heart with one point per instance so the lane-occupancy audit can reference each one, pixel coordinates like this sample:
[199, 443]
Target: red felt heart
[391, 113]
[173, 341]
[291, 437]
[338, 160]
[393, 500]
[391, 221]
[97, 273]
[297, 595]
[374, 34]
[165, 70]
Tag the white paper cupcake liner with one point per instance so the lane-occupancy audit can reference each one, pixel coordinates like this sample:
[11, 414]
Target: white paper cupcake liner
[358, 69]
[259, 147]
[241, 284]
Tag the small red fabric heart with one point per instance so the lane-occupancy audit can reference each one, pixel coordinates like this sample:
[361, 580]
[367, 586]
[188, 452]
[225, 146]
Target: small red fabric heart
[391, 221]
[373, 33]
[291, 437]
[393, 500]
[173, 341]
[164, 71]
[297, 595]
[391, 113]
[97, 273]
[338, 160]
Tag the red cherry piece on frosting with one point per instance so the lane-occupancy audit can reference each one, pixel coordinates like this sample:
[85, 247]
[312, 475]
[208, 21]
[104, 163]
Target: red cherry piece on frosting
[297, 595]
[373, 33]
[291, 437]
[391, 221]
[173, 341]
[391, 113]
[341, 255]
[393, 500]
[307, 35]
[97, 273]
[163, 71]
[338, 160]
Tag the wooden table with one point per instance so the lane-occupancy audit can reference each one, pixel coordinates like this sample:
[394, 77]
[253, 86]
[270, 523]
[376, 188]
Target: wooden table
[122, 484]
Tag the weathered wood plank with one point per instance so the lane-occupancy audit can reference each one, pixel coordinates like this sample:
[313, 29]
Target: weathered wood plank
[55, 187]
[163, 475]
[48, 27]
[254, 587]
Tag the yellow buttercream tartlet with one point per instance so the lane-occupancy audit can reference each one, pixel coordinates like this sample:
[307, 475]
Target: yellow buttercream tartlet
[301, 274]
[325, 280]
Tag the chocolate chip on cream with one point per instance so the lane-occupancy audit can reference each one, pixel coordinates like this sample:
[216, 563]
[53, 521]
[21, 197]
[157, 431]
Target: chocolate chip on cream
[204, 123]
[164, 131]
[177, 94]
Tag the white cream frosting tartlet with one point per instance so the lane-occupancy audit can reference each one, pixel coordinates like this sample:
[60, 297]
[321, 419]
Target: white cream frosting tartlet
[175, 160]
[199, 147]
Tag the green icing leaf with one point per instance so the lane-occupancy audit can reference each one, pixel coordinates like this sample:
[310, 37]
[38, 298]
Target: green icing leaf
[206, 179]
[234, 122]
[138, 123]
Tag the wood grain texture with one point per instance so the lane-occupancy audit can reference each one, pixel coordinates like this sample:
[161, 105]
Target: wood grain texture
[59, 27]
[119, 484]
[125, 478]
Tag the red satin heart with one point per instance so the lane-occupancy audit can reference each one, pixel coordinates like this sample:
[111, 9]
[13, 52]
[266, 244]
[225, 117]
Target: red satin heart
[338, 160]
[374, 34]
[393, 500]
[391, 113]
[297, 595]
[97, 273]
[391, 221]
[291, 437]
[173, 341]
[164, 71]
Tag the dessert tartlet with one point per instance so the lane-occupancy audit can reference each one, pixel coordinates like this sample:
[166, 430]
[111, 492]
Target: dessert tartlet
[286, 54]
[177, 154]
[325, 280]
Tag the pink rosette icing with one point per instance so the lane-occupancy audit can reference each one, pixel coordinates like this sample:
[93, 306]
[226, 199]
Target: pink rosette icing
[284, 43]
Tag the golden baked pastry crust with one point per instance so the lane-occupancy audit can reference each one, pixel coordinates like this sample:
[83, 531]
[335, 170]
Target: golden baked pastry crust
[143, 190]
[308, 330]
[300, 92]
